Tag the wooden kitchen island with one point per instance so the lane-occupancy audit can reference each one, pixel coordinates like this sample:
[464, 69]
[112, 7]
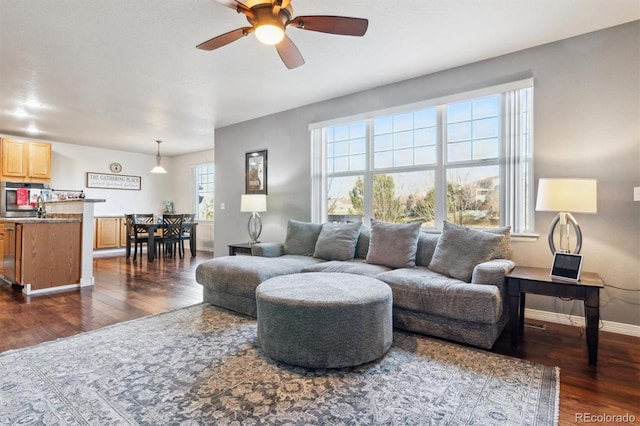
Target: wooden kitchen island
[41, 254]
[51, 253]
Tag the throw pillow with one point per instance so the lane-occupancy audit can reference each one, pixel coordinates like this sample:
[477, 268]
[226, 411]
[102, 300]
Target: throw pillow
[504, 250]
[362, 247]
[301, 238]
[337, 241]
[393, 244]
[460, 249]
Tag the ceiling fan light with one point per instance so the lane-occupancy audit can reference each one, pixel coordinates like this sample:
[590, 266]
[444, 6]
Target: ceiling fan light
[270, 34]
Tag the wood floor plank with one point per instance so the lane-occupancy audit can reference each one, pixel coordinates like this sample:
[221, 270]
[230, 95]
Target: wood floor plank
[126, 290]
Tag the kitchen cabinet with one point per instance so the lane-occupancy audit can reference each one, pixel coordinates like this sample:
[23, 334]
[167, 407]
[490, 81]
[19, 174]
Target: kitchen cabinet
[25, 161]
[108, 233]
[42, 254]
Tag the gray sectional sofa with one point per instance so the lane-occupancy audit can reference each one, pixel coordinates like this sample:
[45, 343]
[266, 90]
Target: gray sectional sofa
[449, 285]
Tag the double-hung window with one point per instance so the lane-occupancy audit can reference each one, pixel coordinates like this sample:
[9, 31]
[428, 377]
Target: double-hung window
[465, 158]
[204, 179]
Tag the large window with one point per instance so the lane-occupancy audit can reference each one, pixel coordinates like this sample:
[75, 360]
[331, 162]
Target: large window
[204, 191]
[466, 159]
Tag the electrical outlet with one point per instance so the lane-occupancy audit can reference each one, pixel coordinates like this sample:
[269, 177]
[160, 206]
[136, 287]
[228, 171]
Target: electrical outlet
[636, 193]
[222, 206]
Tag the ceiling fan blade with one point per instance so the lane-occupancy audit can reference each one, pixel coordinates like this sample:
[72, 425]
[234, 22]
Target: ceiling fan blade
[289, 53]
[225, 39]
[332, 24]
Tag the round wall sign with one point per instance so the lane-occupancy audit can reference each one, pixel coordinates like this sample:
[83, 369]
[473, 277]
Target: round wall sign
[115, 167]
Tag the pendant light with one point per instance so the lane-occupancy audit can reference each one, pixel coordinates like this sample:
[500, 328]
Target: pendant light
[158, 168]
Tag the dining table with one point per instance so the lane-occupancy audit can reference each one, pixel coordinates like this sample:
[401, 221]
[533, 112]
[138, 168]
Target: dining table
[151, 229]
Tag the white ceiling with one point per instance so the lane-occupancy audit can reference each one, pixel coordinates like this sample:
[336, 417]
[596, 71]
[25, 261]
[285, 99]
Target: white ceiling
[122, 73]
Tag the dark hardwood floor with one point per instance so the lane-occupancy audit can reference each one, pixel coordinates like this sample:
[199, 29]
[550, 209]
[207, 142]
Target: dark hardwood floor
[126, 290]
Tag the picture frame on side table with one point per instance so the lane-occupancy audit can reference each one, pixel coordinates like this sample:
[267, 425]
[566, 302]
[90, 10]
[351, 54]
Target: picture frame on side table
[256, 172]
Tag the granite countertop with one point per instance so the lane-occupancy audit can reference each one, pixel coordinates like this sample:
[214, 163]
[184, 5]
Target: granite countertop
[39, 220]
[78, 200]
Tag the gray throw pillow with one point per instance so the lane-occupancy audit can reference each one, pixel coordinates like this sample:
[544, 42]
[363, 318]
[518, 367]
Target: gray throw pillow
[362, 246]
[301, 238]
[504, 250]
[337, 241]
[393, 244]
[460, 249]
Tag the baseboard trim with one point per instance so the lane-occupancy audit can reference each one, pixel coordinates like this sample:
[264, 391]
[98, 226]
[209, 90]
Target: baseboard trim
[577, 320]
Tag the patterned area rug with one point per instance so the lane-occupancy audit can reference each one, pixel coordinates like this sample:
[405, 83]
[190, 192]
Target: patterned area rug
[201, 365]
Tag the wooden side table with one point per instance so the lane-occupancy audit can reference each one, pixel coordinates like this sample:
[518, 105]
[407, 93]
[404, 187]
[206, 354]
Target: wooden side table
[524, 280]
[240, 248]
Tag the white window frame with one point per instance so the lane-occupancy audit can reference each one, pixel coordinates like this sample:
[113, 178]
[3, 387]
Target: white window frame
[515, 158]
[195, 176]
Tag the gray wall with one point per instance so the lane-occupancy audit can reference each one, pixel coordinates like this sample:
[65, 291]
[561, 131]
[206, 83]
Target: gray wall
[587, 115]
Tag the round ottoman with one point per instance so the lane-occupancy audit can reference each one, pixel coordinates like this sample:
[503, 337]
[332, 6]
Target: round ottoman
[324, 320]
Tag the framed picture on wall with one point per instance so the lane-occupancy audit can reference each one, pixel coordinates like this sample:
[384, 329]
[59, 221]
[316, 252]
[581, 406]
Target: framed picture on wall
[256, 172]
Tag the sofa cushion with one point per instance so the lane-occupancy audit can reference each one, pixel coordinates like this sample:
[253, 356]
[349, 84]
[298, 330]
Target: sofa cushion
[240, 275]
[301, 238]
[393, 244]
[460, 249]
[337, 241]
[355, 266]
[421, 290]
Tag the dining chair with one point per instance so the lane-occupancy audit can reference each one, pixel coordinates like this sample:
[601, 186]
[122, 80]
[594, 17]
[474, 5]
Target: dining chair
[137, 234]
[185, 234]
[171, 232]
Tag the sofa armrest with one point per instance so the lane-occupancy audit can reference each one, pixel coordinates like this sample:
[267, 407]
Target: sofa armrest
[267, 249]
[492, 272]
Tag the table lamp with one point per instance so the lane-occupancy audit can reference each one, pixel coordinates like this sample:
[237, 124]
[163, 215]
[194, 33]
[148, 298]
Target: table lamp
[254, 203]
[566, 196]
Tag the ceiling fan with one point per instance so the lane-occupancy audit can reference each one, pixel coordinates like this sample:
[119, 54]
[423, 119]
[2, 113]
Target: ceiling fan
[270, 18]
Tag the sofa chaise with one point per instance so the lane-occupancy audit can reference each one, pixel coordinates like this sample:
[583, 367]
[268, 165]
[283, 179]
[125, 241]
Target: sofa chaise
[449, 286]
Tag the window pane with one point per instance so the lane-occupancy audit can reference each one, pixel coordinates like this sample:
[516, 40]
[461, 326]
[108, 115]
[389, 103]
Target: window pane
[403, 157]
[357, 163]
[459, 132]
[486, 107]
[425, 118]
[422, 137]
[402, 122]
[460, 111]
[403, 140]
[425, 155]
[383, 160]
[383, 142]
[341, 164]
[404, 197]
[345, 195]
[357, 130]
[341, 133]
[485, 128]
[460, 151]
[383, 125]
[486, 148]
[358, 146]
[473, 197]
[341, 148]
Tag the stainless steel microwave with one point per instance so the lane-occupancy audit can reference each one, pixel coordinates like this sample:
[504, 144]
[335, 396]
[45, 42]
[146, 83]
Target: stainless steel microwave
[19, 199]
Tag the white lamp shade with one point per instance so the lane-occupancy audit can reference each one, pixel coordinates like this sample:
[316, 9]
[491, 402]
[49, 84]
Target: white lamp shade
[253, 203]
[567, 195]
